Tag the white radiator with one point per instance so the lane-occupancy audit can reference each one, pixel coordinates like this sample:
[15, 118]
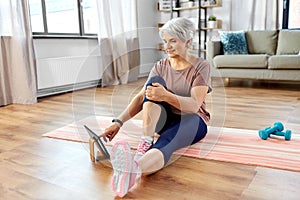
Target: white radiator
[62, 74]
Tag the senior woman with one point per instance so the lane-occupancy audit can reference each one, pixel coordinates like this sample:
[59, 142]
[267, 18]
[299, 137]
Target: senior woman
[173, 105]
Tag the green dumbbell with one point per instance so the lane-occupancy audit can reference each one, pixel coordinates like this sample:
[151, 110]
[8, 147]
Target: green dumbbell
[265, 133]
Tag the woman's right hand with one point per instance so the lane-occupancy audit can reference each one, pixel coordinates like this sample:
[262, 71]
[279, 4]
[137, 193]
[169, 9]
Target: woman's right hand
[110, 132]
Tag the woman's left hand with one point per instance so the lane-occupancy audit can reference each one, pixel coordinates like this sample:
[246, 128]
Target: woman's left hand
[156, 92]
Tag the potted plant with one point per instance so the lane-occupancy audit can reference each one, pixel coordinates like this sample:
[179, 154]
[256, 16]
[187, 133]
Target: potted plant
[212, 20]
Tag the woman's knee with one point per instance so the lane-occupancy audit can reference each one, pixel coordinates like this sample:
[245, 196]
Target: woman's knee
[156, 79]
[160, 80]
[200, 128]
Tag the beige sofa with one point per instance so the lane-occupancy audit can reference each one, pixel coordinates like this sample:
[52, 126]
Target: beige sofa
[272, 55]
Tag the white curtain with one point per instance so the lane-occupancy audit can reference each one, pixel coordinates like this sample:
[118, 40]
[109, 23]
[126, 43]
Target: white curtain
[255, 14]
[119, 45]
[17, 64]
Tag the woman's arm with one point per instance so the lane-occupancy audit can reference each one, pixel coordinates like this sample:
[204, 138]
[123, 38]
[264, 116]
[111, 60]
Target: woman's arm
[186, 104]
[190, 104]
[134, 107]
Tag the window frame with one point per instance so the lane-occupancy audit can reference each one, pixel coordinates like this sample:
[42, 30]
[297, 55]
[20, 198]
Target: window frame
[80, 35]
[285, 15]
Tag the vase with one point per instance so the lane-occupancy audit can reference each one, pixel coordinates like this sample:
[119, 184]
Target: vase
[211, 24]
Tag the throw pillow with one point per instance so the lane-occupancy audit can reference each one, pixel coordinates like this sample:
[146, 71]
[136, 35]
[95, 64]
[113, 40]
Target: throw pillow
[262, 42]
[288, 42]
[234, 42]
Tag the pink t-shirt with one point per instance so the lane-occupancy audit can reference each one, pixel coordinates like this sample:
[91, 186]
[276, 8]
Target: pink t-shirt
[180, 82]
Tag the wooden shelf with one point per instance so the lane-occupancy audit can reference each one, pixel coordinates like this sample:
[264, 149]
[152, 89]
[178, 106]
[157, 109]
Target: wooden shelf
[160, 47]
[165, 10]
[185, 8]
[159, 25]
[211, 6]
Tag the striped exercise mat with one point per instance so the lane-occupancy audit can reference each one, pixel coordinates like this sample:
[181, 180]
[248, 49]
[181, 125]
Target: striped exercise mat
[221, 144]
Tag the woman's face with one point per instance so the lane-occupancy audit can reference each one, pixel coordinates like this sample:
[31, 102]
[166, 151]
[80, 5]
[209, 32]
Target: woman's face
[174, 46]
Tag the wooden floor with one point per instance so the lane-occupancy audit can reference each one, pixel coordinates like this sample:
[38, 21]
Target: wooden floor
[34, 167]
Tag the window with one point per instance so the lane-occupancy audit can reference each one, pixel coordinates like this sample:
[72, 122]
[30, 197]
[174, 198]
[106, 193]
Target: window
[294, 14]
[291, 14]
[5, 19]
[90, 17]
[67, 17]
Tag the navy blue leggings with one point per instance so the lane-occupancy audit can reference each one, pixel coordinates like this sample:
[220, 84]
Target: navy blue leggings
[176, 131]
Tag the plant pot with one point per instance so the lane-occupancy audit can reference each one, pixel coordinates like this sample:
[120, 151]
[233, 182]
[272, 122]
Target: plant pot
[211, 24]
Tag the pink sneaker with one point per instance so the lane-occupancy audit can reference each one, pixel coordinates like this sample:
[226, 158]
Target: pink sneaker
[126, 170]
[144, 145]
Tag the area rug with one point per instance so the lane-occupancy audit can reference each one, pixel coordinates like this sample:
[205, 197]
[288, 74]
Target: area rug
[221, 144]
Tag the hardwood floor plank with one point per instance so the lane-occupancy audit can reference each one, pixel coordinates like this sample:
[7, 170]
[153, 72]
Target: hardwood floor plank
[273, 184]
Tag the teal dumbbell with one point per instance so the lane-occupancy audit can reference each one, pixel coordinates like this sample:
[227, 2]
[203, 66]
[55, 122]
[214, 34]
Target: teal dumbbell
[265, 133]
[287, 134]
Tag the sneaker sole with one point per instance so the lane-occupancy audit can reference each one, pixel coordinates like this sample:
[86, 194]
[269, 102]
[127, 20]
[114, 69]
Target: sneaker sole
[122, 163]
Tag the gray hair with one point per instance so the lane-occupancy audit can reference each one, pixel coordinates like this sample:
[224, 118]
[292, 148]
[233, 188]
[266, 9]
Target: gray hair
[180, 27]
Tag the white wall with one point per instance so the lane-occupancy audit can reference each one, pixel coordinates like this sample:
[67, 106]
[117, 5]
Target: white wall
[148, 34]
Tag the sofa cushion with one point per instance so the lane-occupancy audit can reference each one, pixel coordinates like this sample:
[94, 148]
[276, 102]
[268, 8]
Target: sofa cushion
[288, 42]
[233, 42]
[262, 42]
[241, 61]
[284, 62]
